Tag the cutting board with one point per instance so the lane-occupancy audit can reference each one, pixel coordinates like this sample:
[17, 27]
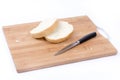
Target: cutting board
[30, 54]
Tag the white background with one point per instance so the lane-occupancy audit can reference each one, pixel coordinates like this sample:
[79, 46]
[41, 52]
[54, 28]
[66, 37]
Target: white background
[104, 13]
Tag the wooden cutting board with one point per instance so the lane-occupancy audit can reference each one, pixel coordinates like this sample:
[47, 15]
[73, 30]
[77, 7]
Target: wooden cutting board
[30, 54]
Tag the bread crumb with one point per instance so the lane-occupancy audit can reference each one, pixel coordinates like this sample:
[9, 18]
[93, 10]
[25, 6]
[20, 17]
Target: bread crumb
[90, 48]
[17, 41]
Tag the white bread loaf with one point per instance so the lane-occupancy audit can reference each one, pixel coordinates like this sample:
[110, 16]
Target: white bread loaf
[61, 33]
[44, 28]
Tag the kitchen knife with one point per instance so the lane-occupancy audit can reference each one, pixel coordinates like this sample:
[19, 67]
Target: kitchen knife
[81, 40]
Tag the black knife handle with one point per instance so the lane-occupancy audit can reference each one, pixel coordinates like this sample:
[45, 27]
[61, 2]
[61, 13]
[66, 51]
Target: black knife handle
[87, 37]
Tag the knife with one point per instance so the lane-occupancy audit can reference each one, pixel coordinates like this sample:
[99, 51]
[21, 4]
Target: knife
[81, 40]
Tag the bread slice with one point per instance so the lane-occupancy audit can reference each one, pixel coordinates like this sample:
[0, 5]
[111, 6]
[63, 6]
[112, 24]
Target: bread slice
[61, 33]
[44, 28]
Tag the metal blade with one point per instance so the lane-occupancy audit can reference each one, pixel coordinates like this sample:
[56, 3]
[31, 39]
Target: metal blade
[67, 48]
[81, 40]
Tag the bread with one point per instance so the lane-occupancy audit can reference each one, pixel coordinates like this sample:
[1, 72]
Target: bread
[44, 28]
[61, 33]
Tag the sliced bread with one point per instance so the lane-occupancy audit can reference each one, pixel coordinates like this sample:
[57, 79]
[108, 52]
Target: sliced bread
[61, 33]
[44, 28]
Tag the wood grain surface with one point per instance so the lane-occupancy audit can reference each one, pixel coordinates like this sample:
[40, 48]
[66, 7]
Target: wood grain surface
[30, 54]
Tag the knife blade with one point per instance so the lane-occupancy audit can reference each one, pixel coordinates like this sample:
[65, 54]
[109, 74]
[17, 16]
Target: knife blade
[81, 40]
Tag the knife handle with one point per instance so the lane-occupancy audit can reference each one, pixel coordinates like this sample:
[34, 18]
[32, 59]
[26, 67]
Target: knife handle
[87, 37]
